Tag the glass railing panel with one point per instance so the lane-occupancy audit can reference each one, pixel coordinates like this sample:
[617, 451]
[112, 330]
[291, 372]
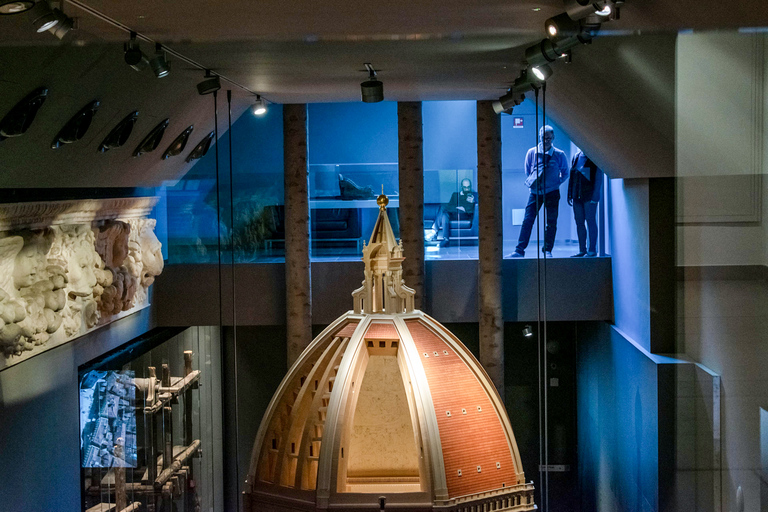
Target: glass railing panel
[343, 208]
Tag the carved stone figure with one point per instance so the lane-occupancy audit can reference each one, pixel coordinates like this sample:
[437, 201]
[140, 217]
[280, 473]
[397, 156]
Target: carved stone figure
[145, 256]
[40, 289]
[11, 310]
[112, 239]
[112, 242]
[75, 245]
[69, 266]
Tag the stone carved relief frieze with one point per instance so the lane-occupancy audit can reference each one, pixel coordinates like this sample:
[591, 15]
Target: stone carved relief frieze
[71, 266]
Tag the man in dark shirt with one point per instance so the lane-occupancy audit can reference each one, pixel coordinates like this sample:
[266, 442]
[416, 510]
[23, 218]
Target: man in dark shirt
[585, 186]
[461, 206]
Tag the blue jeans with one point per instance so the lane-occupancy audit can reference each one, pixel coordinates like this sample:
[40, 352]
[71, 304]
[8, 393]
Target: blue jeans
[551, 201]
[586, 211]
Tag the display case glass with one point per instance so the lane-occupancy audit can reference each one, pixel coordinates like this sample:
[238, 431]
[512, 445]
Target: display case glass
[149, 419]
[343, 209]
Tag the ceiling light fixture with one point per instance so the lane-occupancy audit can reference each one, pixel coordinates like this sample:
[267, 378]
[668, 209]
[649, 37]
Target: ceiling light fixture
[42, 16]
[527, 331]
[134, 57]
[63, 26]
[212, 83]
[561, 26]
[201, 149]
[15, 7]
[159, 63]
[516, 94]
[19, 119]
[178, 144]
[259, 107]
[507, 102]
[541, 73]
[372, 90]
[542, 53]
[152, 140]
[120, 133]
[605, 11]
[578, 9]
[77, 126]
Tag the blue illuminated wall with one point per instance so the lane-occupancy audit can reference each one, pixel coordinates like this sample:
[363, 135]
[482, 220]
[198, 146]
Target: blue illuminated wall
[352, 133]
[629, 237]
[618, 422]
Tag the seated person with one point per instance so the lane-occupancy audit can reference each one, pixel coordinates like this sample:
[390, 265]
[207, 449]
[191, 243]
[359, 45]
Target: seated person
[461, 205]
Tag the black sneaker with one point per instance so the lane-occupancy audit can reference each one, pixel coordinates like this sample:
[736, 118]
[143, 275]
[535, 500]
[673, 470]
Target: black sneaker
[517, 254]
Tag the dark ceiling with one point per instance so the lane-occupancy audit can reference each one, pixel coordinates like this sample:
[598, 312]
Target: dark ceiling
[303, 51]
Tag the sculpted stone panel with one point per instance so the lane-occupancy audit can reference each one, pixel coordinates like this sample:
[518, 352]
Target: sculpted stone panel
[63, 279]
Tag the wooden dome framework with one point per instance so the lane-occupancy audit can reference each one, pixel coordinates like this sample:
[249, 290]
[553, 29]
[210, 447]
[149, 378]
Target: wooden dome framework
[386, 402]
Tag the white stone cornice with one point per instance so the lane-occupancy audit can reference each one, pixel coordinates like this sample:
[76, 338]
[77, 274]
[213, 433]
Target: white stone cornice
[51, 213]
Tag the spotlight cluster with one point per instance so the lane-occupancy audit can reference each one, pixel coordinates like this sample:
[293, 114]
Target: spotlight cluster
[579, 24]
[136, 58]
[161, 67]
[41, 15]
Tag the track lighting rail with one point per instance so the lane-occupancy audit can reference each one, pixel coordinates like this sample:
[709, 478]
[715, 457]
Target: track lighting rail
[128, 30]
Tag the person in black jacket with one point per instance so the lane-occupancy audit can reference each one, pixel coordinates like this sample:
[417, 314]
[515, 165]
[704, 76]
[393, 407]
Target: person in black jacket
[585, 187]
[461, 205]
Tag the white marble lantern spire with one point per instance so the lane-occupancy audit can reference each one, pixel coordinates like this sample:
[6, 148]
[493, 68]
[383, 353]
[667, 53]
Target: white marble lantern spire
[383, 289]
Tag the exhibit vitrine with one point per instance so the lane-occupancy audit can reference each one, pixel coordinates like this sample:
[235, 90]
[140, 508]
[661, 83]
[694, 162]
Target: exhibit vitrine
[148, 424]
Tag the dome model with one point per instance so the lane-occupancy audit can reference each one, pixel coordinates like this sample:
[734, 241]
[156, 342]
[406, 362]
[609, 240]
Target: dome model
[386, 409]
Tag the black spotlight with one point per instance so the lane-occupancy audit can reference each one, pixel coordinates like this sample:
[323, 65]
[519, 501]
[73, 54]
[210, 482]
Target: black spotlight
[211, 84]
[542, 53]
[15, 6]
[561, 26]
[372, 90]
[63, 26]
[42, 16]
[578, 9]
[134, 57]
[528, 331]
[507, 102]
[540, 73]
[160, 65]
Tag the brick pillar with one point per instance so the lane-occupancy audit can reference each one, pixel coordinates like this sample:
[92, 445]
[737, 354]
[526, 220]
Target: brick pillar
[298, 290]
[410, 148]
[490, 313]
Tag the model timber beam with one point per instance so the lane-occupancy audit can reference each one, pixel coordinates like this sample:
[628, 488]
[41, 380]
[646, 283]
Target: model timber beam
[167, 393]
[177, 463]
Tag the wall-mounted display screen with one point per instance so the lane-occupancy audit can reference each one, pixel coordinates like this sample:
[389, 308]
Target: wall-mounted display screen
[108, 419]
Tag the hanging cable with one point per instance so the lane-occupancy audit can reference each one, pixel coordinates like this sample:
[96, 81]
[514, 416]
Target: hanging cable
[538, 285]
[225, 409]
[234, 281]
[544, 301]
